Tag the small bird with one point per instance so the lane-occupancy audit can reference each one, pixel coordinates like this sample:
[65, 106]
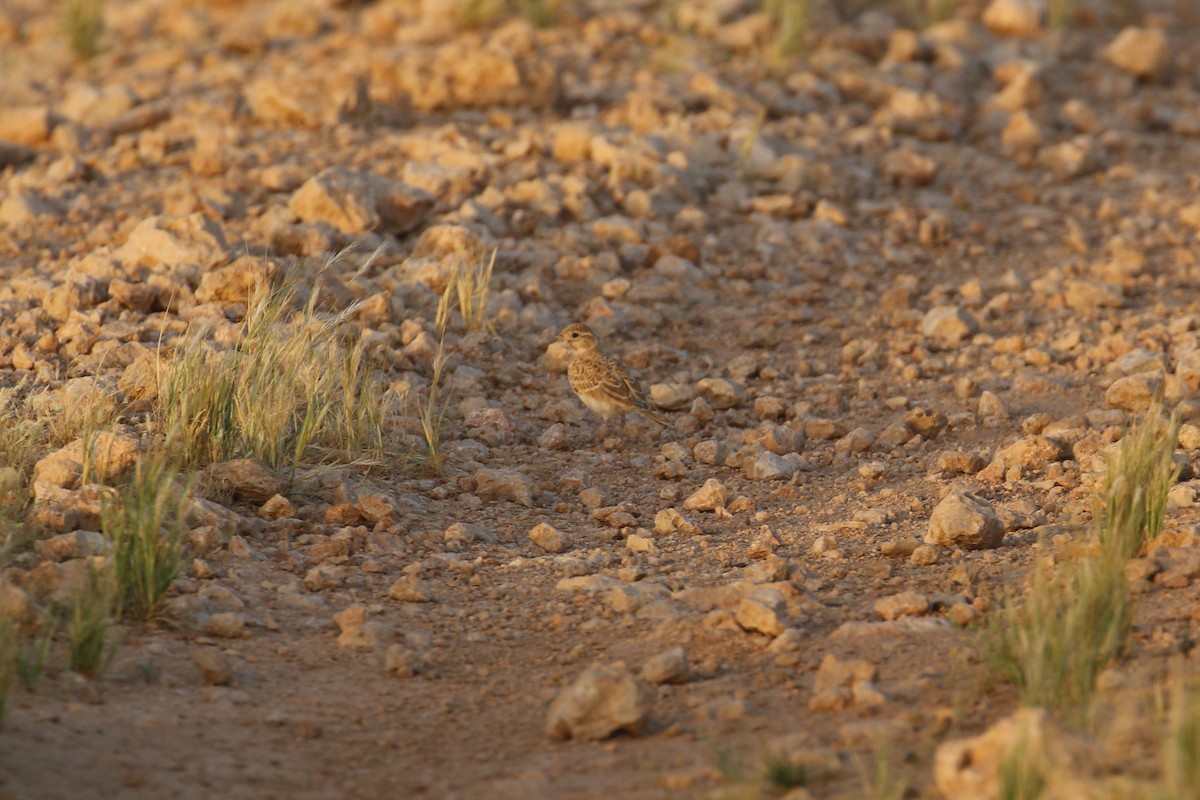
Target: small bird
[602, 382]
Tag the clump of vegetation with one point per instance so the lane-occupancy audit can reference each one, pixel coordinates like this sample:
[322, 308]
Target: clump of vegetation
[1054, 642]
[84, 27]
[1022, 775]
[482, 13]
[773, 773]
[289, 388]
[471, 285]
[19, 437]
[146, 524]
[790, 19]
[1058, 12]
[89, 618]
[781, 772]
[35, 649]
[1133, 500]
[9, 648]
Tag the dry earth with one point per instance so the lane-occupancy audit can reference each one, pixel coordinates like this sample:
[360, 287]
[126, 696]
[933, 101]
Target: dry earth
[919, 258]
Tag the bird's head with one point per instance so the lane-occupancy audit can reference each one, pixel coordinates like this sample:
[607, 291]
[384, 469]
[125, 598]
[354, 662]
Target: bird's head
[578, 337]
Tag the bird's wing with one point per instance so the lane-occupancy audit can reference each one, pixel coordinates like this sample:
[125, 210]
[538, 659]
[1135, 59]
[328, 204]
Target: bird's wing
[617, 384]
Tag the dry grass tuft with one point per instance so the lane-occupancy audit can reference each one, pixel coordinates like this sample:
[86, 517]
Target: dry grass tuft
[84, 27]
[290, 389]
[146, 526]
[1053, 642]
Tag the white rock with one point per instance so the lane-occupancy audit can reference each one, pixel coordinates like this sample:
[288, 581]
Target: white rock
[549, 538]
[948, 325]
[768, 467]
[905, 604]
[763, 610]
[670, 666]
[603, 700]
[1144, 52]
[1013, 17]
[966, 521]
[708, 497]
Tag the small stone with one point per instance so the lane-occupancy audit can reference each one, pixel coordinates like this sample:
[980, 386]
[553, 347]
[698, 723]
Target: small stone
[720, 392]
[905, 604]
[505, 484]
[376, 507]
[1143, 52]
[410, 589]
[403, 661]
[974, 767]
[1013, 18]
[77, 544]
[237, 282]
[991, 407]
[277, 507]
[247, 479]
[763, 610]
[669, 520]
[227, 625]
[549, 538]
[858, 440]
[671, 396]
[963, 614]
[213, 665]
[924, 556]
[1090, 295]
[964, 520]
[603, 700]
[355, 202]
[708, 497]
[324, 576]
[959, 462]
[1134, 393]
[899, 548]
[670, 666]
[554, 438]
[948, 326]
[837, 674]
[1189, 436]
[768, 467]
[462, 535]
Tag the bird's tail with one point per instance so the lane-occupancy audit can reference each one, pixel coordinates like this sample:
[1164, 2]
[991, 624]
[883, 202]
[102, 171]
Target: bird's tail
[654, 416]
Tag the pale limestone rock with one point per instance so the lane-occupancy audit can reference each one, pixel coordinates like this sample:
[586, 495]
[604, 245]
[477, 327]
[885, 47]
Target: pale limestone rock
[966, 521]
[549, 538]
[603, 700]
[1144, 52]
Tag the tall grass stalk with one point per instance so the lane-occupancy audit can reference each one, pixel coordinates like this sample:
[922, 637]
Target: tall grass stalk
[1133, 500]
[1054, 642]
[470, 283]
[432, 409]
[1179, 739]
[1058, 12]
[1071, 623]
[288, 390]
[35, 650]
[84, 26]
[88, 621]
[10, 644]
[1022, 773]
[146, 525]
[791, 19]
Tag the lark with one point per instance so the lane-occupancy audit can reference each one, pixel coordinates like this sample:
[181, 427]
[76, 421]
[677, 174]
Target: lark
[602, 382]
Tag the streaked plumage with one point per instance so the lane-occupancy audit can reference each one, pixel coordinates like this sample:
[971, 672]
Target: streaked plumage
[602, 382]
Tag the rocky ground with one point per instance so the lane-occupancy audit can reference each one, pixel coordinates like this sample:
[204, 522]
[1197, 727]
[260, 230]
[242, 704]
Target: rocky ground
[927, 264]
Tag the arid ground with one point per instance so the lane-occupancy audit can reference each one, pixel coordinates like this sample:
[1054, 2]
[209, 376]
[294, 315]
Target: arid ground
[898, 253]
